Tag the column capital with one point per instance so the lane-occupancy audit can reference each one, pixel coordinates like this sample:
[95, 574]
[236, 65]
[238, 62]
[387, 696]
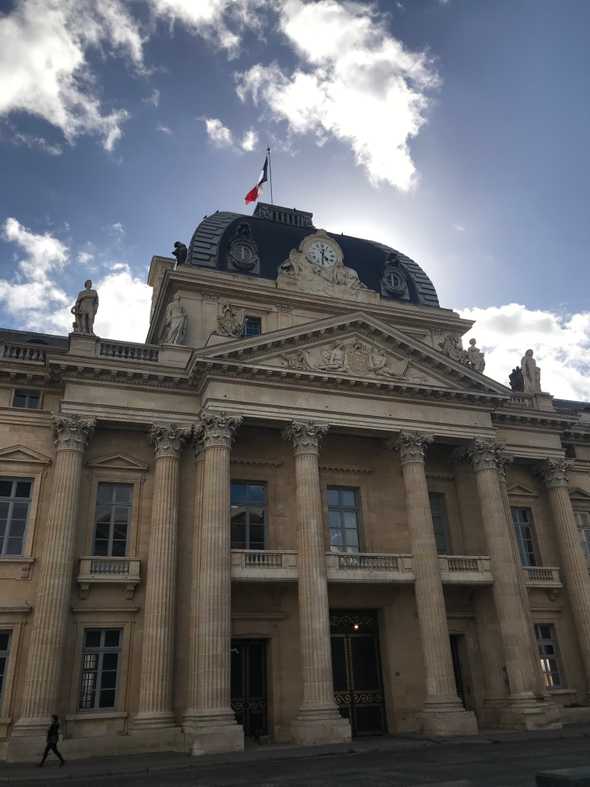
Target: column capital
[554, 471]
[218, 428]
[411, 446]
[72, 432]
[305, 436]
[168, 439]
[486, 454]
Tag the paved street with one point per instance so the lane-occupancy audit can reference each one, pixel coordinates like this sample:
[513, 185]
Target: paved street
[485, 761]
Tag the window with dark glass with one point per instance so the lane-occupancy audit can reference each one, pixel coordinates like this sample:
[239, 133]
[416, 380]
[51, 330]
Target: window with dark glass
[583, 522]
[4, 645]
[252, 326]
[549, 655]
[248, 515]
[100, 663]
[343, 519]
[15, 499]
[113, 515]
[31, 400]
[440, 522]
[522, 520]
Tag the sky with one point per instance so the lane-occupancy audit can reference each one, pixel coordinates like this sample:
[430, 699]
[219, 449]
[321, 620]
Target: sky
[453, 130]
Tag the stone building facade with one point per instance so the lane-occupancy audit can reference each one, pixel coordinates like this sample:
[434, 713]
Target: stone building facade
[299, 512]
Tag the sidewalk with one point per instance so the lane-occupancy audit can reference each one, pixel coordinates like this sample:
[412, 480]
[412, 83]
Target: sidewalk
[139, 764]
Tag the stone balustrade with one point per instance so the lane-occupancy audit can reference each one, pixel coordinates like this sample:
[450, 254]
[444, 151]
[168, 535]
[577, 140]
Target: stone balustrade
[109, 571]
[27, 353]
[465, 569]
[542, 576]
[126, 351]
[368, 567]
[261, 565]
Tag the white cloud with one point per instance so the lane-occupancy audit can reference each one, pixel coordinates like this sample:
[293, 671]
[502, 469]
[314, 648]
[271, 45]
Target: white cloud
[164, 130]
[459, 227]
[118, 228]
[357, 84]
[44, 68]
[35, 300]
[249, 140]
[154, 99]
[561, 344]
[219, 134]
[35, 142]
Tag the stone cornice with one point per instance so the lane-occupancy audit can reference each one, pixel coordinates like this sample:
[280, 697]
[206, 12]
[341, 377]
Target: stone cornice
[72, 433]
[305, 436]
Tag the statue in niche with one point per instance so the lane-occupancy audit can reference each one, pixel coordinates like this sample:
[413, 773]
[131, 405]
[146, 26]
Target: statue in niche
[475, 357]
[531, 374]
[180, 252]
[84, 310]
[175, 321]
[230, 322]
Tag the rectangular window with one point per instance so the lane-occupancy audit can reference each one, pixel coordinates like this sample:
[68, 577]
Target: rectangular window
[522, 520]
[343, 519]
[549, 655]
[25, 398]
[440, 522]
[15, 499]
[248, 515]
[4, 645]
[100, 662]
[583, 522]
[113, 515]
[252, 326]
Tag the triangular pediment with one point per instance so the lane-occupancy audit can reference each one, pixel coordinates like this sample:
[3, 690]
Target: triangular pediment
[20, 453]
[356, 347]
[520, 490]
[117, 462]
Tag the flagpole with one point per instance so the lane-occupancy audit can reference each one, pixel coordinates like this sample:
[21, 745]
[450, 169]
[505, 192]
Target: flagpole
[270, 175]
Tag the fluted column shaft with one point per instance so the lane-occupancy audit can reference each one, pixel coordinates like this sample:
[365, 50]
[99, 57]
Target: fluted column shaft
[318, 703]
[572, 558]
[213, 599]
[48, 632]
[486, 455]
[157, 658]
[430, 601]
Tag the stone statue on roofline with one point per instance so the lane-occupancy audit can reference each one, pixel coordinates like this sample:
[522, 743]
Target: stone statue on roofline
[84, 310]
[180, 252]
[531, 374]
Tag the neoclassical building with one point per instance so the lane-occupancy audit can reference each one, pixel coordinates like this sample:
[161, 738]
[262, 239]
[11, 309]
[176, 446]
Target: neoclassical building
[299, 512]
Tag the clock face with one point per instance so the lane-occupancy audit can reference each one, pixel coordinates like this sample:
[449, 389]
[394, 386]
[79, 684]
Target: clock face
[322, 253]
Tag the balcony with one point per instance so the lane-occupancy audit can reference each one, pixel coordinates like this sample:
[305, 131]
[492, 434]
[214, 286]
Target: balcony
[13, 351]
[268, 565]
[465, 570]
[125, 351]
[109, 571]
[542, 577]
[368, 567]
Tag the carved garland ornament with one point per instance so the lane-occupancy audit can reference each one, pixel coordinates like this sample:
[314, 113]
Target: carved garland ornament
[411, 446]
[168, 439]
[305, 436]
[73, 432]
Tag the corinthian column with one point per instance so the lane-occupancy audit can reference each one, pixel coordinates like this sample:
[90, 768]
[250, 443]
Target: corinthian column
[318, 720]
[523, 709]
[443, 712]
[46, 646]
[157, 656]
[573, 560]
[213, 722]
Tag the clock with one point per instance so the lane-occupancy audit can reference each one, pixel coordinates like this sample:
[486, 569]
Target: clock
[322, 252]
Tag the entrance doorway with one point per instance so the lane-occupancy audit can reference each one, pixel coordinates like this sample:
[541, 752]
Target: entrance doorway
[356, 667]
[248, 686]
[461, 670]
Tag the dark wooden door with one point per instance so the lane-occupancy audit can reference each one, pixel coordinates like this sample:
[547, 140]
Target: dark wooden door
[356, 667]
[248, 686]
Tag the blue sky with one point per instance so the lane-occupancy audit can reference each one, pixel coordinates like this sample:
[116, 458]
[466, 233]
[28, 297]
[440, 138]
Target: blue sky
[454, 130]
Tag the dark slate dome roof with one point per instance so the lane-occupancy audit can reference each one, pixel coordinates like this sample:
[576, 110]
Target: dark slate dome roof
[275, 231]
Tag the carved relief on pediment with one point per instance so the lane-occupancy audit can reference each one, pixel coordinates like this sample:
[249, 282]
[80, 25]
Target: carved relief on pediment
[354, 357]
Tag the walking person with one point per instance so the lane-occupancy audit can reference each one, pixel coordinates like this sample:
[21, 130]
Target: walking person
[52, 740]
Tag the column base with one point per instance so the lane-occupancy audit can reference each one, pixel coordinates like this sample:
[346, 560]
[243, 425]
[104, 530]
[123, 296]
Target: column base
[152, 721]
[320, 725]
[529, 713]
[31, 727]
[447, 718]
[214, 733]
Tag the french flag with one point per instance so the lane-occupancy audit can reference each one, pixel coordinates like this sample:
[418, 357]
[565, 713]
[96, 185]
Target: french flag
[256, 192]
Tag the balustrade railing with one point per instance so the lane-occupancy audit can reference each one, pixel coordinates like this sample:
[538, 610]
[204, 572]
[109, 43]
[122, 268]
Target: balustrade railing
[128, 352]
[263, 564]
[109, 570]
[542, 576]
[13, 351]
[368, 567]
[465, 568]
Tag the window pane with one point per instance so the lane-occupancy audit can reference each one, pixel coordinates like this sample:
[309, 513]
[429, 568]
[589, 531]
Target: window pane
[5, 488]
[104, 493]
[23, 489]
[334, 518]
[14, 546]
[112, 638]
[348, 498]
[333, 497]
[123, 493]
[109, 661]
[4, 637]
[19, 510]
[17, 528]
[349, 520]
[103, 513]
[336, 538]
[92, 638]
[119, 548]
[108, 680]
[107, 699]
[256, 516]
[238, 493]
[256, 493]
